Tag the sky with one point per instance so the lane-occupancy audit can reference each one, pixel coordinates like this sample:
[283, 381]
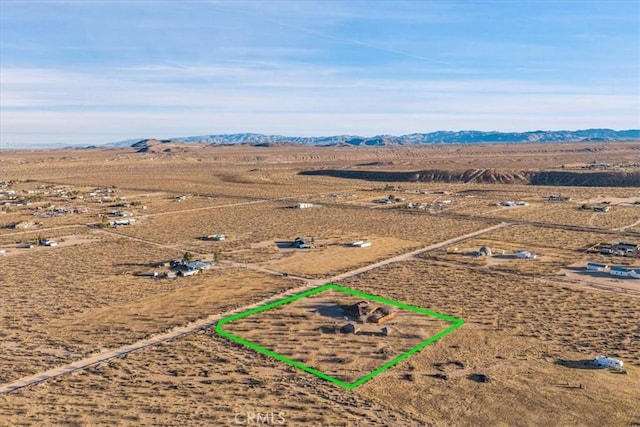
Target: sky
[92, 72]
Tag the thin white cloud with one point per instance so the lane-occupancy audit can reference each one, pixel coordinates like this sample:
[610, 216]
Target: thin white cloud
[258, 89]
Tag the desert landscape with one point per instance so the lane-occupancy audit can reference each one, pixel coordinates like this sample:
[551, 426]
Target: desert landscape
[117, 265]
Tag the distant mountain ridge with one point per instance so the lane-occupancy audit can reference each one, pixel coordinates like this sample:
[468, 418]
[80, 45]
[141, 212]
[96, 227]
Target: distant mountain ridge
[439, 137]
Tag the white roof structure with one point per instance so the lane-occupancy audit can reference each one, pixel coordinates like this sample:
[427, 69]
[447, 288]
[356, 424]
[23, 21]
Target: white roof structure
[526, 255]
[608, 362]
[198, 265]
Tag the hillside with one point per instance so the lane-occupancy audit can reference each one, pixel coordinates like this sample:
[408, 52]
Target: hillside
[439, 137]
[490, 176]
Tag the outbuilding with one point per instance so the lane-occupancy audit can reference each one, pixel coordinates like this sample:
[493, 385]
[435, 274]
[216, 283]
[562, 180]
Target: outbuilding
[620, 271]
[526, 255]
[608, 362]
[596, 266]
[185, 273]
[485, 251]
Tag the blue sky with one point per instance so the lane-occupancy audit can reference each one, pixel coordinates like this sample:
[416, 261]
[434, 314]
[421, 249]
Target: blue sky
[91, 72]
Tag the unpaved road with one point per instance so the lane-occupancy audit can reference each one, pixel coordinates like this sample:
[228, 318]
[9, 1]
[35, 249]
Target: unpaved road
[628, 226]
[211, 320]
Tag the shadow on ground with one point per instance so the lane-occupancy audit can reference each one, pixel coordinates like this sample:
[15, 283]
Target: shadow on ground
[333, 311]
[577, 364]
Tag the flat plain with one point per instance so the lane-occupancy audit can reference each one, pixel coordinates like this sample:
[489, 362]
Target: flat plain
[520, 358]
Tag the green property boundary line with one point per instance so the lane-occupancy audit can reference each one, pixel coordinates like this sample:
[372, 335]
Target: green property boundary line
[456, 323]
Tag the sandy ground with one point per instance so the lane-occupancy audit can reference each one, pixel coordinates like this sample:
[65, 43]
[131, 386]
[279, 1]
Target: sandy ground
[527, 329]
[612, 200]
[333, 257]
[131, 320]
[17, 249]
[303, 331]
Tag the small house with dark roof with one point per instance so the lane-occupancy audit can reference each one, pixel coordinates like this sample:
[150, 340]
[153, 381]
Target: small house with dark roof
[361, 308]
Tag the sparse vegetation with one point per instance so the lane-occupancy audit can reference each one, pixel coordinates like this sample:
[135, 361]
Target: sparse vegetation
[62, 304]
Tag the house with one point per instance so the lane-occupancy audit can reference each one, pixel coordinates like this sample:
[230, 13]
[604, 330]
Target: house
[558, 198]
[626, 246]
[595, 266]
[361, 244]
[361, 308]
[521, 203]
[384, 201]
[620, 271]
[300, 243]
[598, 165]
[198, 265]
[507, 203]
[120, 222]
[304, 205]
[605, 250]
[526, 255]
[217, 237]
[601, 208]
[48, 243]
[121, 213]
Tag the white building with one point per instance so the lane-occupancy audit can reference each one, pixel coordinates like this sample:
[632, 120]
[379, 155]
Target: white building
[608, 362]
[185, 273]
[596, 266]
[526, 255]
[304, 205]
[620, 271]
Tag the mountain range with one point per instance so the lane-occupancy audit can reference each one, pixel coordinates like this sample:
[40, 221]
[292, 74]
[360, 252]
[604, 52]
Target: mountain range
[439, 137]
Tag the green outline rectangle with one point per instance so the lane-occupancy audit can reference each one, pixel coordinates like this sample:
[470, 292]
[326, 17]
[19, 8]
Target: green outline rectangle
[456, 324]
